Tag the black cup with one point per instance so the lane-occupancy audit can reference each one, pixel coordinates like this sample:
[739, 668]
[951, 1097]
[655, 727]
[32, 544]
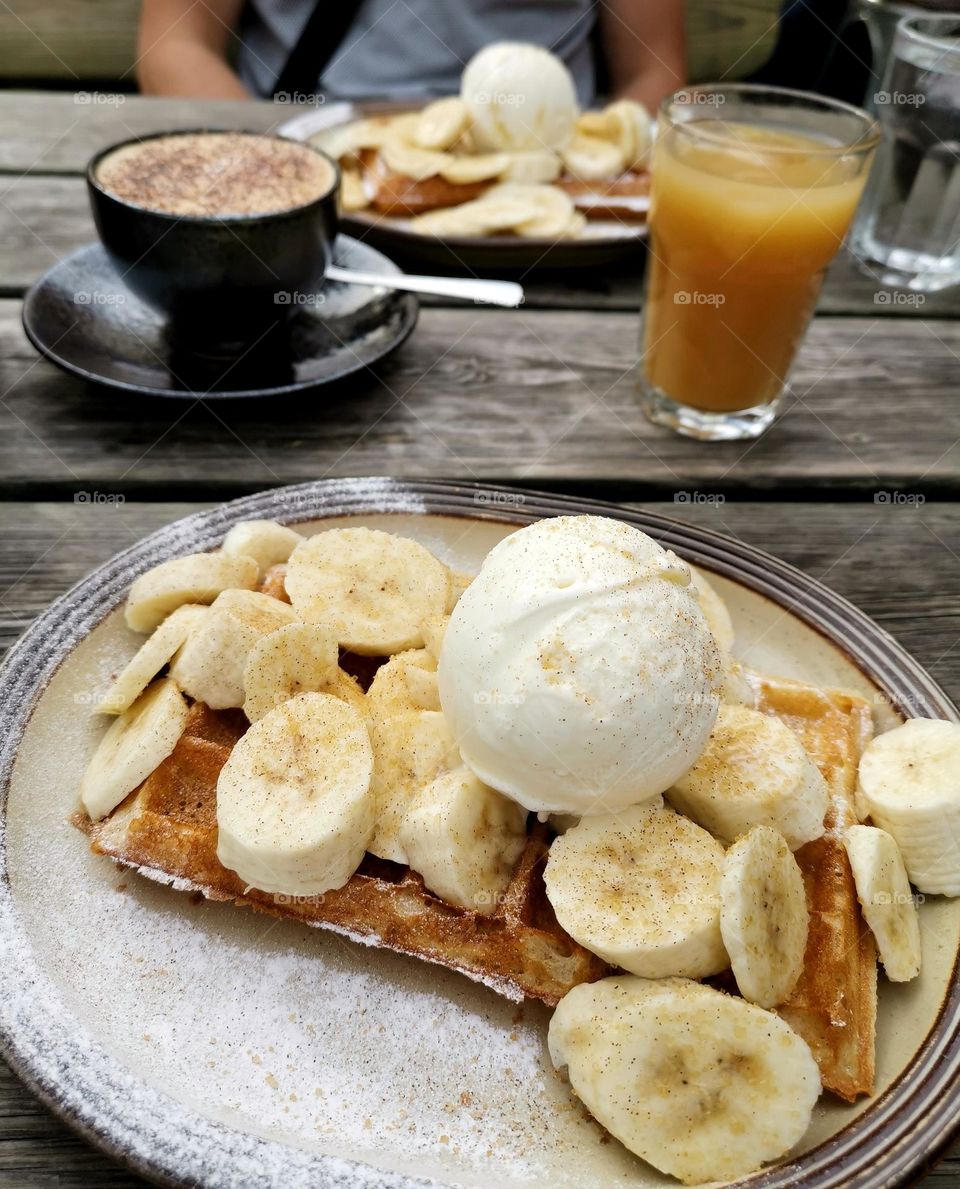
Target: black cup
[224, 282]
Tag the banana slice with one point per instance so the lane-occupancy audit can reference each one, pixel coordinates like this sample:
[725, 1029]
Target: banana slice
[441, 123]
[458, 584]
[196, 578]
[156, 651]
[347, 139]
[888, 904]
[408, 681]
[371, 588]
[736, 690]
[597, 124]
[556, 225]
[482, 216]
[702, 1085]
[641, 889]
[349, 690]
[550, 213]
[910, 781]
[135, 743]
[418, 164]
[210, 665]
[267, 542]
[295, 659]
[632, 131]
[532, 167]
[389, 692]
[556, 215]
[353, 192]
[338, 143]
[464, 839]
[423, 688]
[464, 170]
[434, 628]
[465, 219]
[410, 750]
[592, 159]
[294, 809]
[763, 916]
[714, 610]
[753, 772]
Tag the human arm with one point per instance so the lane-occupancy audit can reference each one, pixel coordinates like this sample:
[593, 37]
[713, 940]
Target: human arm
[182, 49]
[644, 43]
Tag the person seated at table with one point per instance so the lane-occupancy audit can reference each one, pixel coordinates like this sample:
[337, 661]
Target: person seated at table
[381, 49]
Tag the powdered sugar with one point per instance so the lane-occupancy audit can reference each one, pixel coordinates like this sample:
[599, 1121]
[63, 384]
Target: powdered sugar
[186, 1018]
[217, 1046]
[285, 1033]
[372, 940]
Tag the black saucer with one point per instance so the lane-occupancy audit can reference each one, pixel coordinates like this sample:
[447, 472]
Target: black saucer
[83, 318]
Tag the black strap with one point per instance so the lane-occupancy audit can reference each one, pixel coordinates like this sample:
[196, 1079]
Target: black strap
[324, 31]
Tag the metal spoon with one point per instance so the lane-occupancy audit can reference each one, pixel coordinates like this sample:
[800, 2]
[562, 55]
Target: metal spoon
[498, 293]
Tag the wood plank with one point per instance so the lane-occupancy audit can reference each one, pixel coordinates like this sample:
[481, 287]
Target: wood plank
[895, 562]
[80, 39]
[43, 217]
[532, 396]
[58, 132]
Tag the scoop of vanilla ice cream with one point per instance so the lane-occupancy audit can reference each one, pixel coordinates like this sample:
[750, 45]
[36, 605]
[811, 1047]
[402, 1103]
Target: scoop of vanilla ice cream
[520, 97]
[578, 673]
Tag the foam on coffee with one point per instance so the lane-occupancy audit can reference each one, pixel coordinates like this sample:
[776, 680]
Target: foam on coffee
[216, 174]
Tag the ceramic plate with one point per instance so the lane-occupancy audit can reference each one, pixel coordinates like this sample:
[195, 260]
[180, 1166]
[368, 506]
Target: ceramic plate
[604, 241]
[209, 1046]
[82, 316]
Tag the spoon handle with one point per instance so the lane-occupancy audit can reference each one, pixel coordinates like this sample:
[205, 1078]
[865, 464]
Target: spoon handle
[500, 293]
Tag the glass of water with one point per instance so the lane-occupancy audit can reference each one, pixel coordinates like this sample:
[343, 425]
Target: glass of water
[907, 229]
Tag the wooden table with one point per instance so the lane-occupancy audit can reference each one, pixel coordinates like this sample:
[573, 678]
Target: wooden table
[858, 484]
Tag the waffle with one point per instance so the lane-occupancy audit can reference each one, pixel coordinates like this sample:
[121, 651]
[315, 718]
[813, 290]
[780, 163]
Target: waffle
[396, 194]
[393, 193]
[168, 830]
[834, 1006]
[624, 198]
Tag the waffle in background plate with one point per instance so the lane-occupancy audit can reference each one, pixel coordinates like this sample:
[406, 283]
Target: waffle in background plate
[401, 166]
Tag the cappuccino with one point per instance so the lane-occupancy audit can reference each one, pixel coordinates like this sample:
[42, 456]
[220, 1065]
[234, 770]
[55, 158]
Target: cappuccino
[216, 174]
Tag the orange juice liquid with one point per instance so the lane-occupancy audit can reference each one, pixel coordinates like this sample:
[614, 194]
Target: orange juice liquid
[743, 221]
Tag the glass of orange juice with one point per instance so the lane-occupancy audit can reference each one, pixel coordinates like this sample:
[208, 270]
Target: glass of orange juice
[752, 191]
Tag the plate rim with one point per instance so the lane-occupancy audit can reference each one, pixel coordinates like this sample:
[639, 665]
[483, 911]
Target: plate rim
[407, 302]
[904, 1128]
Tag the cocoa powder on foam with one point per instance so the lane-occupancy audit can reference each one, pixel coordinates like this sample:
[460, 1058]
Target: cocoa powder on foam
[215, 174]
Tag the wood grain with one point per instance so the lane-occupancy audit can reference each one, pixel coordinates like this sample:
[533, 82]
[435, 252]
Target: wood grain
[533, 396]
[543, 397]
[57, 40]
[44, 216]
[894, 561]
[45, 132]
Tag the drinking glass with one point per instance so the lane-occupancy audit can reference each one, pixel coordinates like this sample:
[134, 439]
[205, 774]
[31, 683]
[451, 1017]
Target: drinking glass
[907, 231]
[880, 18]
[753, 189]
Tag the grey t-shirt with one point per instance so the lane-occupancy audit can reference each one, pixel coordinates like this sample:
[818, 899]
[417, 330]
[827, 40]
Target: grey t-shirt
[415, 49]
